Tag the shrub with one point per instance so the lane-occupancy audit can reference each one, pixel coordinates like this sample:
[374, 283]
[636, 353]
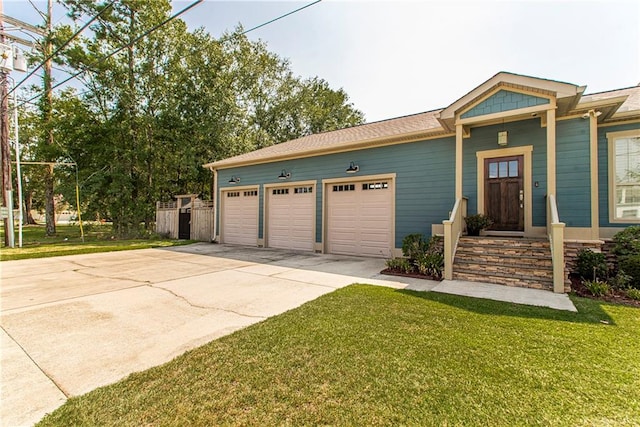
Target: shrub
[621, 280]
[431, 264]
[414, 245]
[399, 264]
[591, 265]
[630, 264]
[627, 241]
[597, 287]
[634, 294]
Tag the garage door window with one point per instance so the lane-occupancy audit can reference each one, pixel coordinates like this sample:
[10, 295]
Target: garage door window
[303, 190]
[375, 186]
[233, 194]
[344, 187]
[280, 191]
[251, 193]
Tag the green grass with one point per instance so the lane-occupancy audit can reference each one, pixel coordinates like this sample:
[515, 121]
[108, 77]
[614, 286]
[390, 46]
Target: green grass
[367, 355]
[68, 241]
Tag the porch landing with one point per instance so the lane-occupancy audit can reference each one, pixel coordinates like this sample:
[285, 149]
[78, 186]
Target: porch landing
[516, 295]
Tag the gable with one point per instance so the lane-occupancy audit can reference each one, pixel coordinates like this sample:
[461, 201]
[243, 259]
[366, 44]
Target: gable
[504, 100]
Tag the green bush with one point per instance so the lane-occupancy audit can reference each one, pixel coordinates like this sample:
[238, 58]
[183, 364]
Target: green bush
[634, 294]
[413, 246]
[621, 280]
[431, 264]
[630, 264]
[597, 287]
[591, 265]
[399, 264]
[627, 242]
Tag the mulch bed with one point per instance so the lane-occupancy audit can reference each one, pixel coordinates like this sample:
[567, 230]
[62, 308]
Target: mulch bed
[391, 272]
[616, 296]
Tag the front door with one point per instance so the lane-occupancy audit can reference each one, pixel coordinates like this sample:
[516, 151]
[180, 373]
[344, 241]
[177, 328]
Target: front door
[504, 192]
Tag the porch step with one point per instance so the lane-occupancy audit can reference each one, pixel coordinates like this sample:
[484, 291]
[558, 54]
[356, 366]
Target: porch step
[521, 262]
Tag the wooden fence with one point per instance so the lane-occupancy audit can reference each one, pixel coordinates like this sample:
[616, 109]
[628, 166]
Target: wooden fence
[201, 222]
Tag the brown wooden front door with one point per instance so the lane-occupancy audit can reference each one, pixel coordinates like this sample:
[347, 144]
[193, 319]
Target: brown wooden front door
[504, 192]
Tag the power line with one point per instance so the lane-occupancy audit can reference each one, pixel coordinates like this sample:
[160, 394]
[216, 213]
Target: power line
[121, 48]
[166, 21]
[282, 16]
[65, 44]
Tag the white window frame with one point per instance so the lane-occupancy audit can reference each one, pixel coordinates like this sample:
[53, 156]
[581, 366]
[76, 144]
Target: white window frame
[611, 138]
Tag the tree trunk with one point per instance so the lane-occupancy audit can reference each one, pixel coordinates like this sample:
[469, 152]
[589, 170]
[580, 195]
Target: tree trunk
[28, 203]
[50, 213]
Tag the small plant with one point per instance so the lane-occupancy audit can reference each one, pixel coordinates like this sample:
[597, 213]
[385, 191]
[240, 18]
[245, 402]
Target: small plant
[399, 264]
[476, 223]
[413, 245]
[597, 288]
[431, 264]
[630, 264]
[633, 294]
[591, 265]
[621, 280]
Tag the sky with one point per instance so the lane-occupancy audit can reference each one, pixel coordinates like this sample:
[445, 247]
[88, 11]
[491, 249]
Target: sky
[395, 58]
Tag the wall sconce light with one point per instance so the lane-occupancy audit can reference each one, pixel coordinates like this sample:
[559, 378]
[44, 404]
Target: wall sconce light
[353, 168]
[284, 175]
[503, 137]
[234, 180]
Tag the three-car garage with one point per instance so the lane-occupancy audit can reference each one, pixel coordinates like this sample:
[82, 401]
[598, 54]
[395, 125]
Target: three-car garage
[357, 215]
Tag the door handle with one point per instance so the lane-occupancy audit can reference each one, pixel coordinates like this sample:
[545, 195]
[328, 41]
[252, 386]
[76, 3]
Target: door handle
[521, 199]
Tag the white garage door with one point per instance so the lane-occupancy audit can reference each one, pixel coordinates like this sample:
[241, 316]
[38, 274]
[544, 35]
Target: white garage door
[291, 217]
[240, 217]
[359, 218]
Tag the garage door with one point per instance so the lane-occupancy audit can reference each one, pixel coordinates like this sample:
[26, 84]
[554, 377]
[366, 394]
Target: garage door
[290, 221]
[240, 217]
[359, 216]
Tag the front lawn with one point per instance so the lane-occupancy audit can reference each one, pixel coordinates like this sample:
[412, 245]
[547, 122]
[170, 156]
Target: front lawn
[68, 241]
[367, 355]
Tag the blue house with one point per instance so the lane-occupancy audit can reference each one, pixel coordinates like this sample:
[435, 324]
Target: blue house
[555, 169]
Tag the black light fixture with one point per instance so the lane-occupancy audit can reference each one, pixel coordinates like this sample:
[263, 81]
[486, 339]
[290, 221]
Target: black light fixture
[234, 180]
[284, 175]
[353, 168]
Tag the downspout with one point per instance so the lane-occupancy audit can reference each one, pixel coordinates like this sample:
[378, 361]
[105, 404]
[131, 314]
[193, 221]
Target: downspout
[215, 203]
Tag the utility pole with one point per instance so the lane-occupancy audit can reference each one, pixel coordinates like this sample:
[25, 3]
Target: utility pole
[47, 114]
[7, 190]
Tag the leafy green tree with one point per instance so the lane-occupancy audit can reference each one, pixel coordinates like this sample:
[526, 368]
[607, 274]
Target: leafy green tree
[169, 102]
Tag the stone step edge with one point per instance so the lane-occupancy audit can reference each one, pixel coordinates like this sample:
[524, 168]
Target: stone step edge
[546, 279]
[500, 281]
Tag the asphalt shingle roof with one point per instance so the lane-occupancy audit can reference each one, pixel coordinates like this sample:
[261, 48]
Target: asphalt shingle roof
[402, 128]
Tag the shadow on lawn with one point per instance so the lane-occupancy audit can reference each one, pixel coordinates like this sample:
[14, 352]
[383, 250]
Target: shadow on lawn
[589, 311]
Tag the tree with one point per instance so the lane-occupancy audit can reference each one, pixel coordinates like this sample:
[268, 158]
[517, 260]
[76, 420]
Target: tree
[168, 102]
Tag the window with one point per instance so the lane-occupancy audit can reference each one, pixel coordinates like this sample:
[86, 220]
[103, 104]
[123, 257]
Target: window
[344, 187]
[233, 194]
[280, 191]
[375, 186]
[251, 193]
[624, 176]
[303, 190]
[503, 169]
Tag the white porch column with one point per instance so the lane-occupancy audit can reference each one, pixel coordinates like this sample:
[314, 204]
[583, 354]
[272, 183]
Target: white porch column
[551, 151]
[459, 132]
[595, 210]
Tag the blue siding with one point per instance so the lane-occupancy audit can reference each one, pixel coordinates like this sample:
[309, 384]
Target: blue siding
[526, 132]
[504, 100]
[425, 180]
[573, 182]
[603, 172]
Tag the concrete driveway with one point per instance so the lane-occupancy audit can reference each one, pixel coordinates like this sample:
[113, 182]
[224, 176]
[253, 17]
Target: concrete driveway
[72, 324]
